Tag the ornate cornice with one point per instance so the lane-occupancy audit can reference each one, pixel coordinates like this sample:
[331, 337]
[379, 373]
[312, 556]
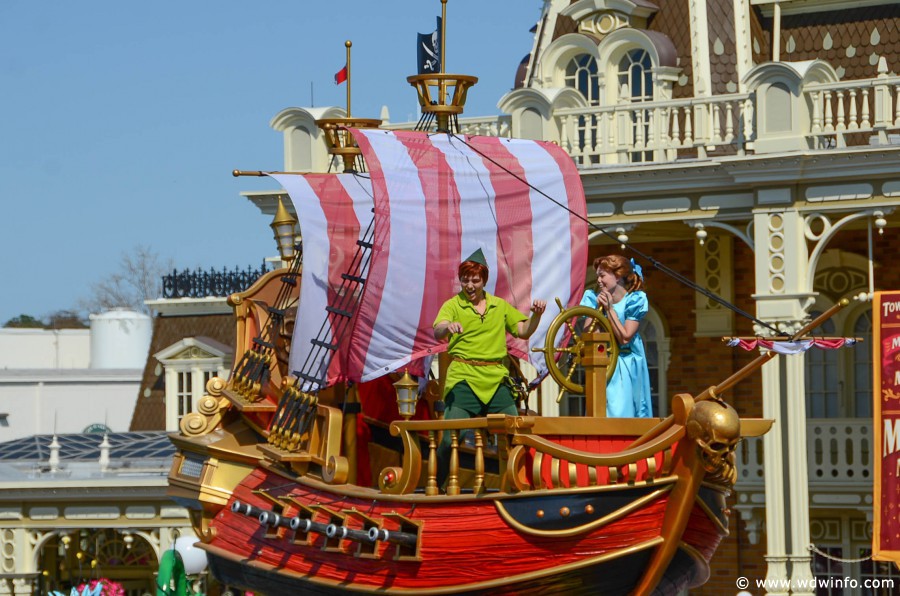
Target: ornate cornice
[729, 173]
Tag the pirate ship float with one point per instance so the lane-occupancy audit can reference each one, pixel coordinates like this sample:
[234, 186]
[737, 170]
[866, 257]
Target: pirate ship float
[304, 476]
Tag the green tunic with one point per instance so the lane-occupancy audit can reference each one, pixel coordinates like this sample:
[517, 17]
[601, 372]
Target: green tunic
[483, 338]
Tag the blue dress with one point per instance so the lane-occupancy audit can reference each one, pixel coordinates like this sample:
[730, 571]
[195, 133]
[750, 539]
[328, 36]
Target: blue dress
[628, 391]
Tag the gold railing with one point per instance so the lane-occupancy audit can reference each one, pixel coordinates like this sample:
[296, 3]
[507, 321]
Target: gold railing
[405, 479]
[509, 439]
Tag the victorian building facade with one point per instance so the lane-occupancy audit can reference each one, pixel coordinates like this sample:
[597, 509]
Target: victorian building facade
[752, 146]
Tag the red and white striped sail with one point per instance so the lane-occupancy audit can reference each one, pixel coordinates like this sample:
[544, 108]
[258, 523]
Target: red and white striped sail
[334, 211]
[438, 198]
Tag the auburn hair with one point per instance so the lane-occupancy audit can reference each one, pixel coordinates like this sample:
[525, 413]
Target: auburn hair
[620, 267]
[471, 268]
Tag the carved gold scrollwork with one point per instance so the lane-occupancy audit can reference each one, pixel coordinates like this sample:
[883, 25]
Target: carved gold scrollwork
[209, 409]
[200, 524]
[336, 470]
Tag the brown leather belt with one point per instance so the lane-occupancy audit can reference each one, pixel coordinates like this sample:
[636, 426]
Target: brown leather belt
[476, 362]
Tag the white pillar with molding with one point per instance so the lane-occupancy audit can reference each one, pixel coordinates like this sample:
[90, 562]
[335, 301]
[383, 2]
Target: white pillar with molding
[783, 297]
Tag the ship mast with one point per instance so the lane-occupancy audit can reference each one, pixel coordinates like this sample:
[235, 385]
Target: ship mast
[442, 96]
[337, 136]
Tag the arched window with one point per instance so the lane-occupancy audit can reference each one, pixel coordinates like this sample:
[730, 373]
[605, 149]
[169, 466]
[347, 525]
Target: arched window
[822, 390]
[581, 74]
[656, 348]
[839, 382]
[635, 77]
[648, 334]
[635, 84]
[861, 355]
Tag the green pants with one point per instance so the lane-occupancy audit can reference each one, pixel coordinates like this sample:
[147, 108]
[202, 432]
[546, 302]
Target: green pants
[461, 403]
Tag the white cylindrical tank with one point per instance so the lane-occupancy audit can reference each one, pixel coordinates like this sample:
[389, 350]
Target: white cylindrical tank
[120, 338]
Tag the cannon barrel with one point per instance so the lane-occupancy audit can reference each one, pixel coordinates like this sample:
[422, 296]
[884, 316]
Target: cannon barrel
[270, 518]
[345, 533]
[306, 525]
[246, 509]
[383, 535]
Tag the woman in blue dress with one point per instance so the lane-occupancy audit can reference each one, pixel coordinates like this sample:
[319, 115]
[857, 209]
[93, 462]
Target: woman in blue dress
[620, 296]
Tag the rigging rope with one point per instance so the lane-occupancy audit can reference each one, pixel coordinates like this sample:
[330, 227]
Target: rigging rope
[812, 548]
[252, 366]
[505, 251]
[660, 266]
[347, 297]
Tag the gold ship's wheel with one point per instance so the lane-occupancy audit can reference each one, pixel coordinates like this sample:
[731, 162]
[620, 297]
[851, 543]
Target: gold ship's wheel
[578, 321]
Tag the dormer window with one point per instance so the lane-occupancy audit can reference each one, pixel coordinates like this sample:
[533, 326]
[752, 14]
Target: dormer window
[581, 74]
[635, 76]
[189, 365]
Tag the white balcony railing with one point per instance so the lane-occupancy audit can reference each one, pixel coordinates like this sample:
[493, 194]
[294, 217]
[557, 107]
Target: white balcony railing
[656, 131]
[487, 126]
[839, 452]
[833, 116]
[842, 109]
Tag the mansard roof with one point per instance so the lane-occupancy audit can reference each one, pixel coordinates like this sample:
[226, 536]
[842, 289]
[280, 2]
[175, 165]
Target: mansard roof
[851, 40]
[150, 410]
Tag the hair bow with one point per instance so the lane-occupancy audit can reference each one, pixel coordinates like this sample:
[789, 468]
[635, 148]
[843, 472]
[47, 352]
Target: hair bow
[637, 269]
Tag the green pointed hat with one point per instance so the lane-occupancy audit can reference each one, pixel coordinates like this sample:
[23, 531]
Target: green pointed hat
[477, 257]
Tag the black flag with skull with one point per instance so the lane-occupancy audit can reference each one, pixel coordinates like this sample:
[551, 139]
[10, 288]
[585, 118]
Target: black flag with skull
[429, 50]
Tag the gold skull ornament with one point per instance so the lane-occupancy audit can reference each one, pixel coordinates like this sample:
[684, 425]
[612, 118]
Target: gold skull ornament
[716, 427]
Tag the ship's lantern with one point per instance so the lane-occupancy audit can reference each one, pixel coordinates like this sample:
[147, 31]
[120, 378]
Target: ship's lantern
[283, 226]
[407, 393]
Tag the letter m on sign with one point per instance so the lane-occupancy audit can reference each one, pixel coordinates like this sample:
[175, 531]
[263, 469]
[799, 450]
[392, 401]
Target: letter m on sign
[891, 436]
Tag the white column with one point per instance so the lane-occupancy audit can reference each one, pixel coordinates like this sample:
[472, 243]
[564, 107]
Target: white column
[773, 461]
[776, 33]
[782, 261]
[782, 296]
[798, 475]
[16, 556]
[743, 41]
[171, 399]
[700, 47]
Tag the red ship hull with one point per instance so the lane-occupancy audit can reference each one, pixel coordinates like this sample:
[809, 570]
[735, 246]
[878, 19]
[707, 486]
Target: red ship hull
[596, 540]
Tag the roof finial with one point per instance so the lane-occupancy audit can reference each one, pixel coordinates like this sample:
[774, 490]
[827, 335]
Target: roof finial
[104, 453]
[54, 455]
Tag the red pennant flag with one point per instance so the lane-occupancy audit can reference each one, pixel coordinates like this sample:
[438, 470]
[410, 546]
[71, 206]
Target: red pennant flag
[340, 76]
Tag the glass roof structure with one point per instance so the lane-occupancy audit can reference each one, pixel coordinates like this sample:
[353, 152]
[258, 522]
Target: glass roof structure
[83, 447]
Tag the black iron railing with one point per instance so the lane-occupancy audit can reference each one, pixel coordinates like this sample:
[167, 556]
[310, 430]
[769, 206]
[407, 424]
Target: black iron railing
[204, 284]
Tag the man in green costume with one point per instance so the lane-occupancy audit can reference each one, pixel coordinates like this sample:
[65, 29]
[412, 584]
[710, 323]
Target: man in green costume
[476, 324]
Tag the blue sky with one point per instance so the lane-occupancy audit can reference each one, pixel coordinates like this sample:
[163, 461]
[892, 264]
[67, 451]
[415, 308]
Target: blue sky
[120, 121]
